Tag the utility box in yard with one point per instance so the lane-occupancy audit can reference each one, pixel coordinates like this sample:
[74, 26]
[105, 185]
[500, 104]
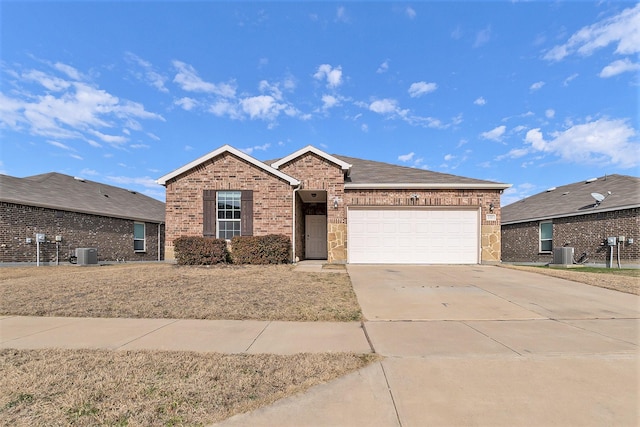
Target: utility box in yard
[563, 256]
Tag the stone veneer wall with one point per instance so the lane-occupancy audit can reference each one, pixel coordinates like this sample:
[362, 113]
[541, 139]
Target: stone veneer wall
[272, 198]
[489, 229]
[585, 233]
[113, 237]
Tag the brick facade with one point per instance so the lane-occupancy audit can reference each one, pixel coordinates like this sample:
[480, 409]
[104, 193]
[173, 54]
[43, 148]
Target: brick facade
[274, 210]
[272, 198]
[585, 233]
[113, 237]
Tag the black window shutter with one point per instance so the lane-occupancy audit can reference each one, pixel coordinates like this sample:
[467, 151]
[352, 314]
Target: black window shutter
[246, 213]
[209, 213]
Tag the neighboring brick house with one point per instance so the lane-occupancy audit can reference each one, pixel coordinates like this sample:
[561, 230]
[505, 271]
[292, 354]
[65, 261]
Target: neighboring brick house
[336, 208]
[570, 216]
[75, 213]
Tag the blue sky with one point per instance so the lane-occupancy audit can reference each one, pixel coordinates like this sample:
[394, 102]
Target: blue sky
[535, 94]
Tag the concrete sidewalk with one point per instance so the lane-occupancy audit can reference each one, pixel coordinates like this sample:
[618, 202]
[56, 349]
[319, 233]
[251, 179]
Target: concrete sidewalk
[222, 336]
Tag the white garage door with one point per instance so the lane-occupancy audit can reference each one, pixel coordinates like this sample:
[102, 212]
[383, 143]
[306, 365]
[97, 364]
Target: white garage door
[412, 236]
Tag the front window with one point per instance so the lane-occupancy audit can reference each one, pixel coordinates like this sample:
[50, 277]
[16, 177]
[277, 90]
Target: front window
[228, 218]
[138, 237]
[546, 236]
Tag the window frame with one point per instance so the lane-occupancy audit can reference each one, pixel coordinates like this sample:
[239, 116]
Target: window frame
[541, 239]
[137, 239]
[235, 196]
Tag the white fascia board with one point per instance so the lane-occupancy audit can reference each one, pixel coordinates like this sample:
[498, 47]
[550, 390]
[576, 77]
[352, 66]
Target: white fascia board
[568, 215]
[427, 186]
[229, 149]
[310, 148]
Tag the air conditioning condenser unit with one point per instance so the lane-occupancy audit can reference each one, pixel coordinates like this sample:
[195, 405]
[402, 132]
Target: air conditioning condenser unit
[87, 256]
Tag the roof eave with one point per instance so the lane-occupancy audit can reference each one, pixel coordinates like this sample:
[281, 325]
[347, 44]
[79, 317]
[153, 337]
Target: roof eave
[229, 149]
[426, 186]
[82, 211]
[570, 214]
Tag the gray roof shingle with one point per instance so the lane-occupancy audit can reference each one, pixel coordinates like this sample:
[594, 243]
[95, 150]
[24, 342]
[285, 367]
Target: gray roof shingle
[373, 172]
[63, 192]
[575, 199]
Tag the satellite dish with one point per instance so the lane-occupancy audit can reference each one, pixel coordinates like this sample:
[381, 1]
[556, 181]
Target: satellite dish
[599, 198]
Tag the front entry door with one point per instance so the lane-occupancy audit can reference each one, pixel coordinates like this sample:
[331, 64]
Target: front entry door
[316, 236]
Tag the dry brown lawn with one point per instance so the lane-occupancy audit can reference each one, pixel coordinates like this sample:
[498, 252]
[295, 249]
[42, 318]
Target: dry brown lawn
[627, 281]
[161, 290]
[140, 388]
[147, 388]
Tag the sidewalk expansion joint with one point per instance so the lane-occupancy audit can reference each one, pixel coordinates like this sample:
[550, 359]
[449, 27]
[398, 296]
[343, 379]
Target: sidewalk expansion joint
[258, 336]
[393, 400]
[148, 333]
[492, 339]
[367, 337]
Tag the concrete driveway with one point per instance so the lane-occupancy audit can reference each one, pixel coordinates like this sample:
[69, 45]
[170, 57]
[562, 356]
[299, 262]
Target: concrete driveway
[480, 345]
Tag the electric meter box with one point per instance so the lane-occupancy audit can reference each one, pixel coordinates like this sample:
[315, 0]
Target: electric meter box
[40, 237]
[612, 241]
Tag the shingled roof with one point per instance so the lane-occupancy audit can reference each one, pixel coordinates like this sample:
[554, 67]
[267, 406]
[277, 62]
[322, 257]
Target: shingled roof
[372, 174]
[63, 192]
[575, 199]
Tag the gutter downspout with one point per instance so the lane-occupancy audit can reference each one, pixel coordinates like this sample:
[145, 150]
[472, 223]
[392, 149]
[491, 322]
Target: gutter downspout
[293, 225]
[159, 226]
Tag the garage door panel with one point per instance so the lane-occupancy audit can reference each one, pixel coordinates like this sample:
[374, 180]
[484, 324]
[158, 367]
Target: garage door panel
[413, 236]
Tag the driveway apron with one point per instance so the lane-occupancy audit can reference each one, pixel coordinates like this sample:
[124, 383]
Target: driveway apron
[482, 346]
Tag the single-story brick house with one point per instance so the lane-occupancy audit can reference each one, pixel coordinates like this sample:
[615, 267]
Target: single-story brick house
[582, 215]
[72, 213]
[336, 208]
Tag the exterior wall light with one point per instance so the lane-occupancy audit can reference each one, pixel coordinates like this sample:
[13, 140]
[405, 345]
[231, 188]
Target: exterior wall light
[491, 207]
[335, 203]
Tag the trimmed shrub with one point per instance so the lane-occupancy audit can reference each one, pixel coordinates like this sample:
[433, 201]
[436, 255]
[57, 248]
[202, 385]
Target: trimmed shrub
[191, 250]
[269, 249]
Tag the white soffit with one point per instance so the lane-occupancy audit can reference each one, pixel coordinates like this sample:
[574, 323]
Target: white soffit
[310, 148]
[229, 149]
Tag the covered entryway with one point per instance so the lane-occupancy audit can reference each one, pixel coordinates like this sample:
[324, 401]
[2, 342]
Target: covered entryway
[311, 224]
[413, 236]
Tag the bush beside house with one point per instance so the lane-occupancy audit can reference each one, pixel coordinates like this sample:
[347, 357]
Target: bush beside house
[269, 249]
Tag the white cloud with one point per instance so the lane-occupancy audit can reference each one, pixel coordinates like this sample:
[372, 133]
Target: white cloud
[70, 71]
[550, 113]
[536, 86]
[603, 141]
[569, 79]
[111, 139]
[421, 88]
[329, 101]
[411, 13]
[332, 75]
[341, 14]
[263, 147]
[494, 134]
[68, 109]
[384, 106]
[618, 67]
[59, 145]
[187, 78]
[517, 192]
[272, 89]
[623, 30]
[480, 101]
[449, 157]
[364, 127]
[383, 68]
[261, 107]
[222, 107]
[150, 76]
[186, 103]
[406, 157]
[482, 37]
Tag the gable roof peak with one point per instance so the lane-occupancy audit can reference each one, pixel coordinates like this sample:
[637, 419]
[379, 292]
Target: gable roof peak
[227, 149]
[311, 149]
